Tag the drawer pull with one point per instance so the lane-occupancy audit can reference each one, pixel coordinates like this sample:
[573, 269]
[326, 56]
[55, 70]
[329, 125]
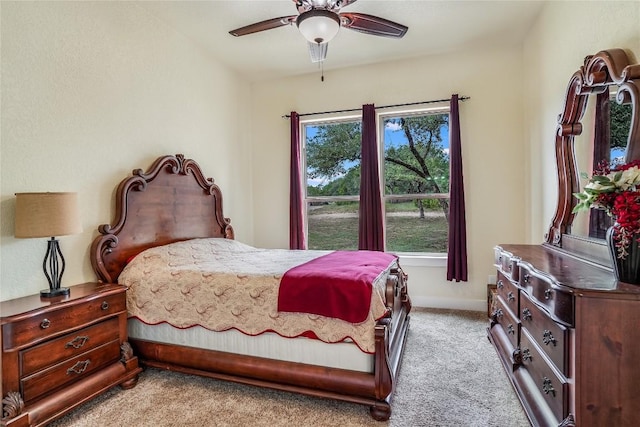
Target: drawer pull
[547, 387]
[527, 277]
[548, 338]
[105, 305]
[510, 297]
[497, 314]
[500, 285]
[45, 324]
[526, 314]
[510, 329]
[77, 342]
[548, 293]
[526, 355]
[79, 367]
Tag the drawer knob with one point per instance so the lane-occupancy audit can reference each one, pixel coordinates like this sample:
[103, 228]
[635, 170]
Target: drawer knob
[547, 387]
[526, 314]
[497, 314]
[500, 285]
[79, 367]
[105, 305]
[526, 355]
[510, 329]
[527, 277]
[548, 338]
[77, 342]
[45, 323]
[548, 293]
[510, 297]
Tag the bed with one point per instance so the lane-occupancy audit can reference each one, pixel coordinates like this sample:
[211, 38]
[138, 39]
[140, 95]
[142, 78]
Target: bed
[170, 210]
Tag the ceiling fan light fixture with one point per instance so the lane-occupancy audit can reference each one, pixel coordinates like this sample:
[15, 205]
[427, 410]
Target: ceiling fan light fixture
[318, 25]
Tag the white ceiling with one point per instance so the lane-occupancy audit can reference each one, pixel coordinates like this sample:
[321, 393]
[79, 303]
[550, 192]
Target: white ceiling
[435, 26]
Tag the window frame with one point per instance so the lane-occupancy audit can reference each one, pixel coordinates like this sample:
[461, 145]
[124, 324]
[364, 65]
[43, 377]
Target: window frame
[380, 117]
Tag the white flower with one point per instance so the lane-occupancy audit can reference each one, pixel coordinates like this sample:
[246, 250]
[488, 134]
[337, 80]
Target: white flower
[627, 179]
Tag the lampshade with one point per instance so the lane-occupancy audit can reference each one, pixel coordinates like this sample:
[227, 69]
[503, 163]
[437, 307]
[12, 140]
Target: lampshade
[47, 214]
[318, 25]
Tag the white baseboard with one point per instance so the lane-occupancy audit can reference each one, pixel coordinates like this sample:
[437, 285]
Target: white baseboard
[449, 303]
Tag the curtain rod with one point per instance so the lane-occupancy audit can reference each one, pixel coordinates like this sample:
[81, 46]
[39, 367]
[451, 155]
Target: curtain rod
[462, 98]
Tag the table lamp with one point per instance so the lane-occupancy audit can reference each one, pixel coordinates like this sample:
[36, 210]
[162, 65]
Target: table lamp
[48, 215]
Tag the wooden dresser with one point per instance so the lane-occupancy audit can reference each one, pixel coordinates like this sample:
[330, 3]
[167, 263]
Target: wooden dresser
[568, 336]
[60, 352]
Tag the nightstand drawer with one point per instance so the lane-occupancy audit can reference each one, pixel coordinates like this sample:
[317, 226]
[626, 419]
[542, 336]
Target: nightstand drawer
[67, 346]
[68, 371]
[43, 326]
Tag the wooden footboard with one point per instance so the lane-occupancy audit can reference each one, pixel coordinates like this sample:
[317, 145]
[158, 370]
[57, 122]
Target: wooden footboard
[373, 389]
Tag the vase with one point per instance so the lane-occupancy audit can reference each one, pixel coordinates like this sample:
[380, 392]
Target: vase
[628, 269]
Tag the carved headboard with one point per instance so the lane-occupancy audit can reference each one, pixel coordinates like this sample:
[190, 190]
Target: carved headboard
[607, 69]
[171, 201]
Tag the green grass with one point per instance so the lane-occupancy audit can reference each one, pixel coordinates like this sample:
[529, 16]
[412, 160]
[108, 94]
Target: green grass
[335, 227]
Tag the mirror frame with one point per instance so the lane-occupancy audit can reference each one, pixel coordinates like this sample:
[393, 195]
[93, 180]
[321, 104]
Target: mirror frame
[605, 68]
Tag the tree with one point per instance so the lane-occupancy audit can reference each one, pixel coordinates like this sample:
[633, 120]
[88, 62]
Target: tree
[620, 124]
[417, 166]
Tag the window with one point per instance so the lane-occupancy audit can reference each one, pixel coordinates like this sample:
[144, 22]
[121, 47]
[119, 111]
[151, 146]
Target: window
[416, 180]
[414, 173]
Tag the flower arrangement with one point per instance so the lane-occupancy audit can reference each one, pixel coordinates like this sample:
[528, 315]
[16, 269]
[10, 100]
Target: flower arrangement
[616, 189]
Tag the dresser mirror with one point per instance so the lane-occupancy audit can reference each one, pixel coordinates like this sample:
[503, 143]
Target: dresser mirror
[600, 121]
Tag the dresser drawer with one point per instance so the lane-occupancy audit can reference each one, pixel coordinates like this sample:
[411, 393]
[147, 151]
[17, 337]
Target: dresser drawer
[67, 346]
[508, 292]
[509, 323]
[69, 371]
[553, 388]
[552, 337]
[558, 303]
[42, 326]
[507, 264]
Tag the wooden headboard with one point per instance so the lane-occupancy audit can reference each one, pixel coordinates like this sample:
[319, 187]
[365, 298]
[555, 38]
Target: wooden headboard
[171, 201]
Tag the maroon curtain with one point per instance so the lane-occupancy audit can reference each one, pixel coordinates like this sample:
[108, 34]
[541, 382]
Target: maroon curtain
[371, 228]
[457, 254]
[296, 221]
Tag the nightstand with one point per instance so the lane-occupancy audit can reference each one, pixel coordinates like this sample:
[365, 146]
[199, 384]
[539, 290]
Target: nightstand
[60, 352]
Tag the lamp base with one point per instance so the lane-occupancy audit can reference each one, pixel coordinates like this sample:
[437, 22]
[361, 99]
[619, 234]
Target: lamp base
[50, 293]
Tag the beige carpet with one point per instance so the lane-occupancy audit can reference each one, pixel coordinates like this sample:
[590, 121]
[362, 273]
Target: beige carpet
[450, 376]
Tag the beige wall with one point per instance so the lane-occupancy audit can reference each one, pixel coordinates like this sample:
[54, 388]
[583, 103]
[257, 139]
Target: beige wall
[491, 127]
[92, 90]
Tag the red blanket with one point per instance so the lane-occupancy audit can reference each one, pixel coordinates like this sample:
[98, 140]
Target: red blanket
[337, 285]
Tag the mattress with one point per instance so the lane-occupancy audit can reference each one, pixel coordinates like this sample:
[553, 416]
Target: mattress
[342, 355]
[222, 284]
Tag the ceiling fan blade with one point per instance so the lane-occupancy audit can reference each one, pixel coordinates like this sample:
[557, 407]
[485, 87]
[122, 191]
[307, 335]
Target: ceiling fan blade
[318, 51]
[343, 3]
[373, 25]
[264, 25]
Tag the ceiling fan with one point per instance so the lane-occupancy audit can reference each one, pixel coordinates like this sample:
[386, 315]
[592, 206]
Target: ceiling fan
[320, 20]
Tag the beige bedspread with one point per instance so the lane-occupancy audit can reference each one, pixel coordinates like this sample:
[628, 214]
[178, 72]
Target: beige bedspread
[222, 284]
